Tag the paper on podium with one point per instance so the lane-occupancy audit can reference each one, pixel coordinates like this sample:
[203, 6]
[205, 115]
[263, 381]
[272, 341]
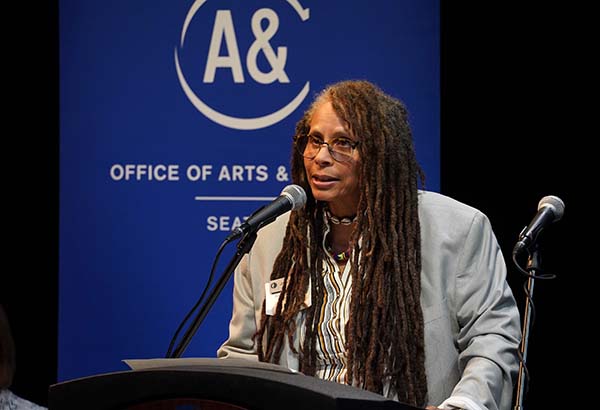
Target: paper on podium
[145, 364]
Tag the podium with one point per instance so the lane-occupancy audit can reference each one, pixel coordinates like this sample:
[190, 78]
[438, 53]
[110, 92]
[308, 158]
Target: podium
[210, 384]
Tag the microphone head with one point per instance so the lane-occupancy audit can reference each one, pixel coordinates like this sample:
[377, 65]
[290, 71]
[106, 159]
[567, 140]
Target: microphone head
[296, 195]
[555, 204]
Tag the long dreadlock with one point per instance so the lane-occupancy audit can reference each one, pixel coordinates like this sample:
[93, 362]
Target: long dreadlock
[385, 337]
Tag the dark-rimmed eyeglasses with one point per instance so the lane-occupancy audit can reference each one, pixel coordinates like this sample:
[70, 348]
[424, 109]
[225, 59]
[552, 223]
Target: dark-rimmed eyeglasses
[340, 149]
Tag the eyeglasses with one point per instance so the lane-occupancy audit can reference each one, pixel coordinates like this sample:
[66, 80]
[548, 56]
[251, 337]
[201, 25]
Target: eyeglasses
[340, 149]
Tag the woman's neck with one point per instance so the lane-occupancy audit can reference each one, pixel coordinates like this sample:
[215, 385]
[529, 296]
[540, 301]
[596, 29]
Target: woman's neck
[339, 237]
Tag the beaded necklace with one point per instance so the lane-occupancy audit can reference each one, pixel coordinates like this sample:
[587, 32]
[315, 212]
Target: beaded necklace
[339, 257]
[345, 255]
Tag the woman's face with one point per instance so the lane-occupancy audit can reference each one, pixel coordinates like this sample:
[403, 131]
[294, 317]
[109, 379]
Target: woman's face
[332, 181]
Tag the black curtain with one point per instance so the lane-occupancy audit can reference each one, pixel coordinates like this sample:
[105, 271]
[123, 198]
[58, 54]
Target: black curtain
[511, 133]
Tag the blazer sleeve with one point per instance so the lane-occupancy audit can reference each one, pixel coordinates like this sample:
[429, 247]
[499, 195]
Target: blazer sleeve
[489, 326]
[242, 326]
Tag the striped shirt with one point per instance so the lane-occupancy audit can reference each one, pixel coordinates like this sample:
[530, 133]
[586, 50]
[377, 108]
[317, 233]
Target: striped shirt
[331, 353]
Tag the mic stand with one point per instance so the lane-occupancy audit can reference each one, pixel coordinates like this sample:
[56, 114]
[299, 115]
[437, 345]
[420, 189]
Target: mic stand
[533, 264]
[243, 247]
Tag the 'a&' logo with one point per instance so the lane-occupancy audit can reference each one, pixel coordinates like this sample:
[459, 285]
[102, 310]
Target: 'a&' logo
[239, 58]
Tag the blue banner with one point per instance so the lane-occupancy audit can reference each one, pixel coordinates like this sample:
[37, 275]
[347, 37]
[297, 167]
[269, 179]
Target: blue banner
[176, 122]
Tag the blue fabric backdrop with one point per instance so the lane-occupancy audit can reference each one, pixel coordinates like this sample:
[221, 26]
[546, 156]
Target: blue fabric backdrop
[167, 106]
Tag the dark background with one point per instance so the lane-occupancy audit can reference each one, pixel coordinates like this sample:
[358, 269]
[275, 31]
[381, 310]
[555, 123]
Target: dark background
[513, 112]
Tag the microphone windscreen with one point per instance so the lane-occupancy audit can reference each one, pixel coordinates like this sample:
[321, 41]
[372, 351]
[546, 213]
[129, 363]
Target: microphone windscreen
[296, 195]
[555, 203]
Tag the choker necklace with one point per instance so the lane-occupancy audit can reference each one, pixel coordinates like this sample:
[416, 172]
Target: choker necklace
[337, 221]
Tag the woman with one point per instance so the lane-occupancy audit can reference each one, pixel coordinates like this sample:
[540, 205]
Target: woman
[384, 286]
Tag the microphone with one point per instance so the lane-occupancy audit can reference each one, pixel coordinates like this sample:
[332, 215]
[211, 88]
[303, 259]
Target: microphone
[550, 209]
[292, 197]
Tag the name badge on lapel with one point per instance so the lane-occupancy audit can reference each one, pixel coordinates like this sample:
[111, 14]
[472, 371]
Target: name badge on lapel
[273, 290]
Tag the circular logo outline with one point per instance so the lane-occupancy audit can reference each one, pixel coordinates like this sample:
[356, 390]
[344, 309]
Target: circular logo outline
[227, 120]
